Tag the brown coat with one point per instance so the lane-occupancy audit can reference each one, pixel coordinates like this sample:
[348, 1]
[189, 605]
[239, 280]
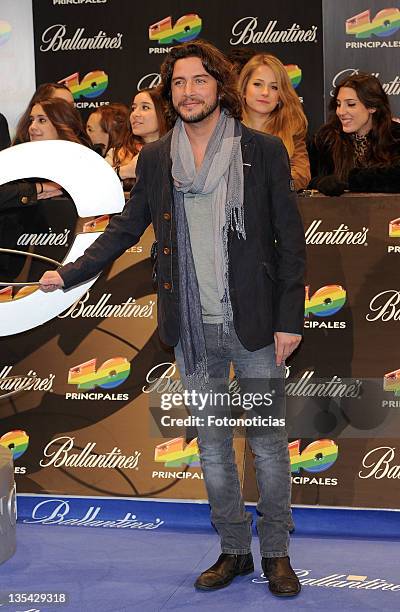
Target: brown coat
[299, 163]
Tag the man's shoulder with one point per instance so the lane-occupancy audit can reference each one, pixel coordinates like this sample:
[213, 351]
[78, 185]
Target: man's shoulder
[158, 146]
[261, 139]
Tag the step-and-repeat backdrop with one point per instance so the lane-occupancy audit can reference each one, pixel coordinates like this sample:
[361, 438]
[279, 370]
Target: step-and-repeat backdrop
[76, 392]
[107, 51]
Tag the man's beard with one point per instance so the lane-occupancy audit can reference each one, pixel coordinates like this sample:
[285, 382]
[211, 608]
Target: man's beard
[206, 111]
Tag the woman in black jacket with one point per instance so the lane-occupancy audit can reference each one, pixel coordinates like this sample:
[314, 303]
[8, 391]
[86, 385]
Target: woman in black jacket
[49, 119]
[359, 147]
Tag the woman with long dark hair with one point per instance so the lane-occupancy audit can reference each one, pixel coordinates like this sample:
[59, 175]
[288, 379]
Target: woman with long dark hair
[147, 122]
[107, 126]
[271, 105]
[49, 119]
[359, 147]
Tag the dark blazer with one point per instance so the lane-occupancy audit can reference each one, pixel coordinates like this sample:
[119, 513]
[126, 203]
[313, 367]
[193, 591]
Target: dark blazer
[266, 269]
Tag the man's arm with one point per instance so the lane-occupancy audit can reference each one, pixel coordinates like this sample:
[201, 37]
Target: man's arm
[289, 254]
[123, 231]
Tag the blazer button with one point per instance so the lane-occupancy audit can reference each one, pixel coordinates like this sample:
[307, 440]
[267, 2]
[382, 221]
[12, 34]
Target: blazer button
[167, 216]
[167, 286]
[166, 251]
[24, 200]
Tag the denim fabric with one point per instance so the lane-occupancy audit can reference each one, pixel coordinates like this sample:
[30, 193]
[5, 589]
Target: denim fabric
[217, 457]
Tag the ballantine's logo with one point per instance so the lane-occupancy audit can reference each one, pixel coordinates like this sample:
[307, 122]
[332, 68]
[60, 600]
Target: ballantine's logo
[58, 454]
[383, 305]
[340, 235]
[385, 23]
[5, 32]
[17, 441]
[340, 581]
[391, 382]
[53, 39]
[29, 382]
[334, 387]
[244, 32]
[378, 464]
[109, 375]
[55, 511]
[325, 302]
[148, 81]
[186, 28]
[102, 309]
[175, 453]
[92, 85]
[45, 238]
[392, 88]
[316, 457]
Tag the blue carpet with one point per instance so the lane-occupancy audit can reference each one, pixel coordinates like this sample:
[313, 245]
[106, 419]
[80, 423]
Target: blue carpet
[115, 570]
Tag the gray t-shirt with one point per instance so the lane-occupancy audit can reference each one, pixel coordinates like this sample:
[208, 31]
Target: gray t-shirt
[200, 222]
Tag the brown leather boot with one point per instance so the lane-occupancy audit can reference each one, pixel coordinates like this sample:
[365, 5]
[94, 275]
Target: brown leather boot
[224, 571]
[283, 582]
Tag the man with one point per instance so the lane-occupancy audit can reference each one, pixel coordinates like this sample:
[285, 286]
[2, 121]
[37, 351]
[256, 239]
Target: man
[230, 285]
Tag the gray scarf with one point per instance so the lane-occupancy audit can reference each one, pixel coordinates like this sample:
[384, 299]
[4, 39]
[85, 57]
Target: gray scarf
[221, 174]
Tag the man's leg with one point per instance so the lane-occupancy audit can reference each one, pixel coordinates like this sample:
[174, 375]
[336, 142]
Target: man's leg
[257, 373]
[217, 458]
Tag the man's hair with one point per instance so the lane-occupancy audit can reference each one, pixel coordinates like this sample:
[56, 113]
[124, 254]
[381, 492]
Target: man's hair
[215, 63]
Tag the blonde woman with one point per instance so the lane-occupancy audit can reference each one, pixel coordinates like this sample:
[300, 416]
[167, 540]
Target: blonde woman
[271, 105]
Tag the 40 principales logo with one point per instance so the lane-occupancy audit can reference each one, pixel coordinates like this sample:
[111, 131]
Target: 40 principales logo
[363, 26]
[317, 457]
[186, 28]
[325, 302]
[112, 373]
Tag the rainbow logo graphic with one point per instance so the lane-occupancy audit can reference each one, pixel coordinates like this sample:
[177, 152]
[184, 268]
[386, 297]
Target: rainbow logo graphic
[7, 295]
[316, 457]
[5, 32]
[391, 382]
[110, 374]
[385, 23]
[174, 453]
[17, 441]
[92, 85]
[325, 302]
[186, 28]
[394, 228]
[294, 74]
[98, 224]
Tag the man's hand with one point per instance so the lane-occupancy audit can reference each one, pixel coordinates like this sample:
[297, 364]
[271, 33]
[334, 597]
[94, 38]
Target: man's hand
[285, 344]
[50, 281]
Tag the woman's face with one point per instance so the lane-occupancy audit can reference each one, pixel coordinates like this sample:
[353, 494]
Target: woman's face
[40, 127]
[96, 133]
[352, 114]
[262, 95]
[143, 117]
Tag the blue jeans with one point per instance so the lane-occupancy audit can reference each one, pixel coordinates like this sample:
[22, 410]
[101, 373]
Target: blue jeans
[217, 456]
